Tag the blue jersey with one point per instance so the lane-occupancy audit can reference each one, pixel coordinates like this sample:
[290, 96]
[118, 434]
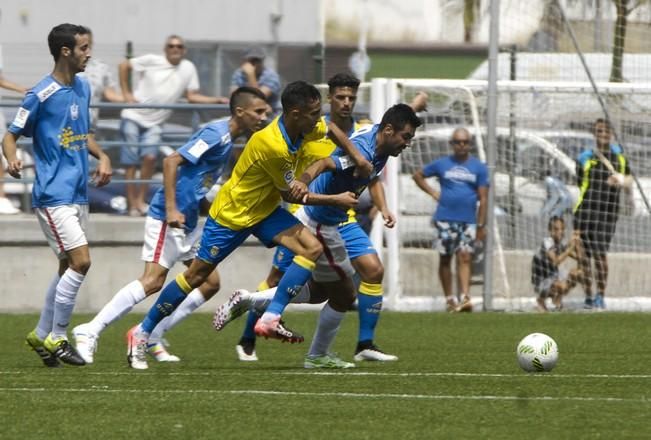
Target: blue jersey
[207, 153]
[459, 184]
[342, 179]
[56, 116]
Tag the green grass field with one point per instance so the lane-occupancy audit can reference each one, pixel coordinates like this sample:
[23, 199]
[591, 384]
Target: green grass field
[408, 65]
[457, 377]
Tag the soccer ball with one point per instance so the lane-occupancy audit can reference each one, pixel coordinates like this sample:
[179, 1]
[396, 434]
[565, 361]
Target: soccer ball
[537, 352]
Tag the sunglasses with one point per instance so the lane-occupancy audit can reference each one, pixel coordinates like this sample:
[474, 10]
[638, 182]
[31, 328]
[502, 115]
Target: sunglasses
[175, 46]
[460, 142]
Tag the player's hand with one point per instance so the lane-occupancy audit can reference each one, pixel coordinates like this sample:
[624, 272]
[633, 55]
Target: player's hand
[129, 98]
[419, 103]
[363, 169]
[14, 168]
[175, 219]
[436, 196]
[389, 219]
[248, 68]
[298, 191]
[103, 172]
[346, 200]
[616, 180]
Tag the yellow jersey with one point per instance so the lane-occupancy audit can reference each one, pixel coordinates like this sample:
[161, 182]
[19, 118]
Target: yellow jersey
[265, 168]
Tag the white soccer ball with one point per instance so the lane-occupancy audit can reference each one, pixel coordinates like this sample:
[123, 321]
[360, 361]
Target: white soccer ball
[537, 352]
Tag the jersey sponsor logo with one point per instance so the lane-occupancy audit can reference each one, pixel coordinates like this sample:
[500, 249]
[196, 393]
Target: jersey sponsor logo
[345, 162]
[48, 91]
[74, 112]
[198, 148]
[71, 141]
[460, 174]
[21, 117]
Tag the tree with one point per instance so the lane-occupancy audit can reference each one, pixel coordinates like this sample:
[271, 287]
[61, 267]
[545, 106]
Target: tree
[619, 38]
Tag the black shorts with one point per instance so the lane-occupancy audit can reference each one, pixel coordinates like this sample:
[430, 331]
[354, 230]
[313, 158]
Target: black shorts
[596, 235]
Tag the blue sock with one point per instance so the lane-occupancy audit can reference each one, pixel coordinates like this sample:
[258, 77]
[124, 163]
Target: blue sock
[298, 273]
[168, 300]
[251, 319]
[368, 309]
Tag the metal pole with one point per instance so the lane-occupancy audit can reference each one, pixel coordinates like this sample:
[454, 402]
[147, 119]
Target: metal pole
[510, 154]
[493, 48]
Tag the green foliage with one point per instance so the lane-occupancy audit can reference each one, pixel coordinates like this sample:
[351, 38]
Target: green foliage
[457, 377]
[385, 65]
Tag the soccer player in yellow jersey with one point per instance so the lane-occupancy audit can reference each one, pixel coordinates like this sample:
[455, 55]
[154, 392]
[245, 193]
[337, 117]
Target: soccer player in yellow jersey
[249, 203]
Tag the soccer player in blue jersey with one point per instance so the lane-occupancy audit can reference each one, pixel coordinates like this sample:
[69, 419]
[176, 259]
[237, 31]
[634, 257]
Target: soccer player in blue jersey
[171, 230]
[460, 217]
[55, 113]
[249, 203]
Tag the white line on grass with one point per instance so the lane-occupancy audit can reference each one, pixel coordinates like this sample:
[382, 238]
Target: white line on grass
[333, 394]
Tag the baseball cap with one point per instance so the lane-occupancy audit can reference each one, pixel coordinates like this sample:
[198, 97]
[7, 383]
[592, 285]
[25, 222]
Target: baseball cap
[254, 53]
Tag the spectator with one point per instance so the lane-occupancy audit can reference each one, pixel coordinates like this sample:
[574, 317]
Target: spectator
[254, 73]
[548, 279]
[601, 174]
[6, 207]
[463, 181]
[559, 199]
[160, 79]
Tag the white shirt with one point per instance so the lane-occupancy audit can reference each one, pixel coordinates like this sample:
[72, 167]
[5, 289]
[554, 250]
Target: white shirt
[159, 82]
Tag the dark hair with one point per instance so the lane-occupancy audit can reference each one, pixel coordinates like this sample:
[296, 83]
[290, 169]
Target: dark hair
[604, 121]
[553, 219]
[342, 80]
[400, 115]
[299, 94]
[62, 36]
[242, 95]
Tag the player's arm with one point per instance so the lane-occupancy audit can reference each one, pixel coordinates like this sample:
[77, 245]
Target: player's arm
[9, 149]
[376, 189]
[112, 95]
[171, 163]
[421, 181]
[557, 259]
[419, 102]
[103, 171]
[6, 84]
[364, 167]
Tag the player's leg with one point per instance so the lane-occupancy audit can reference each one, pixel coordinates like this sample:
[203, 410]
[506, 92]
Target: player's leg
[466, 234]
[583, 231]
[284, 229]
[606, 230]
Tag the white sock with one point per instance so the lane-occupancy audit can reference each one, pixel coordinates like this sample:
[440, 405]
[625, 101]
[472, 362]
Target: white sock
[326, 330]
[64, 302]
[44, 326]
[192, 302]
[118, 306]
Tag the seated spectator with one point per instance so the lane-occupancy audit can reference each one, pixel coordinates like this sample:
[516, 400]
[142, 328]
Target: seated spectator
[254, 73]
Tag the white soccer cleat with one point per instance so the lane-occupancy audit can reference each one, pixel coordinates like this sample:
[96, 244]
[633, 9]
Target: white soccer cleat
[371, 352]
[85, 342]
[137, 349]
[160, 353]
[236, 306]
[246, 351]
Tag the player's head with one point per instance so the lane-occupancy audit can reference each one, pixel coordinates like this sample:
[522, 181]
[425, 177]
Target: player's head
[69, 43]
[301, 105]
[461, 142]
[397, 129]
[342, 94]
[249, 106]
[174, 49]
[556, 227]
[603, 132]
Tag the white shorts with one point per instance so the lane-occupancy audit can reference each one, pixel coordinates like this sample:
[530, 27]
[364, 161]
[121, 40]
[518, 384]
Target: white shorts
[167, 246]
[64, 227]
[333, 264]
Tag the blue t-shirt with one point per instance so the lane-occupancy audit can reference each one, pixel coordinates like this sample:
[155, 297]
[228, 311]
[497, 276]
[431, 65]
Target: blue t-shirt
[342, 179]
[207, 153]
[459, 184]
[56, 116]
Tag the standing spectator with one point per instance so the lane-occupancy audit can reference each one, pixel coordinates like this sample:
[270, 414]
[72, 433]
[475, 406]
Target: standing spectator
[55, 113]
[559, 198]
[6, 207]
[254, 73]
[460, 222]
[160, 79]
[601, 173]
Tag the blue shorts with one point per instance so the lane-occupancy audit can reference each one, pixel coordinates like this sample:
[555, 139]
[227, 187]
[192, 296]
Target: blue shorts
[133, 135]
[218, 241]
[357, 245]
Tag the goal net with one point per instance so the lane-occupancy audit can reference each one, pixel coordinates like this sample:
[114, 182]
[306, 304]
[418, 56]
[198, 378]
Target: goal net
[542, 128]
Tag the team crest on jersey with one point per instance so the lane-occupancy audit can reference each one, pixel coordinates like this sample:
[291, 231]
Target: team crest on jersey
[74, 112]
[289, 176]
[214, 251]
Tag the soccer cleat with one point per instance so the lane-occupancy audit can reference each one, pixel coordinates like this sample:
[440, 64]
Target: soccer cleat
[137, 349]
[329, 360]
[275, 329]
[451, 305]
[62, 350]
[235, 307]
[246, 350]
[540, 305]
[160, 353]
[36, 344]
[588, 303]
[465, 306]
[599, 302]
[367, 351]
[85, 342]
